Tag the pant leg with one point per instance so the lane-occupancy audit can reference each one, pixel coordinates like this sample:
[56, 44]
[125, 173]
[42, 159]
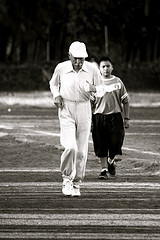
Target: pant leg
[116, 135]
[100, 135]
[83, 132]
[75, 123]
[68, 141]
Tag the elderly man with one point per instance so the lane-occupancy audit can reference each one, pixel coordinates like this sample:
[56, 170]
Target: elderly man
[72, 84]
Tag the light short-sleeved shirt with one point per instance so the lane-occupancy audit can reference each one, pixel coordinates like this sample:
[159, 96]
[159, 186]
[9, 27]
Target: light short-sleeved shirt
[114, 95]
[69, 84]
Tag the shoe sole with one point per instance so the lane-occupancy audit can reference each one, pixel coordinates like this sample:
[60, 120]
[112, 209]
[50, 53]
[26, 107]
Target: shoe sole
[103, 178]
[66, 194]
[75, 195]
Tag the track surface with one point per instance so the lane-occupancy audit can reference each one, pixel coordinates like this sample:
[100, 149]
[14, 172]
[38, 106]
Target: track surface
[32, 206]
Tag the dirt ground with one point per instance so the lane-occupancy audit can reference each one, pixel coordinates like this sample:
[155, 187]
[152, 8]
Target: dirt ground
[30, 139]
[31, 203]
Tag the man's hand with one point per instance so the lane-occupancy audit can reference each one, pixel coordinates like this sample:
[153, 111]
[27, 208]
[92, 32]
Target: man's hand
[126, 122]
[89, 87]
[58, 101]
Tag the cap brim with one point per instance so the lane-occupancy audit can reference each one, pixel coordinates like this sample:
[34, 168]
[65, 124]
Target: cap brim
[79, 55]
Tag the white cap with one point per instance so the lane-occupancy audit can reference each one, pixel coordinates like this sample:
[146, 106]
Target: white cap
[78, 50]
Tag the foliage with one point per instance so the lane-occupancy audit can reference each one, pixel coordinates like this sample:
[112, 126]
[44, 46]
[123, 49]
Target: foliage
[19, 78]
[37, 31]
[32, 77]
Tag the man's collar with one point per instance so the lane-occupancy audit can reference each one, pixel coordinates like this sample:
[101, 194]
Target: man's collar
[70, 67]
[84, 67]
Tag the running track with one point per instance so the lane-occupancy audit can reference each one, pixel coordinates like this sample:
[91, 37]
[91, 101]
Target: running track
[124, 207]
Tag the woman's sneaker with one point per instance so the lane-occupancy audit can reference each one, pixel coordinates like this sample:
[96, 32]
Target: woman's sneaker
[103, 174]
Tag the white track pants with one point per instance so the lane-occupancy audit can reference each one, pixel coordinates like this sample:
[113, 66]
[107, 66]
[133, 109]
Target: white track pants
[75, 123]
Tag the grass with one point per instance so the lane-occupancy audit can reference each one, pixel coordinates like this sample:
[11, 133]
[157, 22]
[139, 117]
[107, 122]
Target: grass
[44, 99]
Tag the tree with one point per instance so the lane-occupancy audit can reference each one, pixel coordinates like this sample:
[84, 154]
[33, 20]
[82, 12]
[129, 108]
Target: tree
[41, 30]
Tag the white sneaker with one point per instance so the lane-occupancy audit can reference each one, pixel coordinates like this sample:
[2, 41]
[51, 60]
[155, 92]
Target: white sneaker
[76, 191]
[67, 187]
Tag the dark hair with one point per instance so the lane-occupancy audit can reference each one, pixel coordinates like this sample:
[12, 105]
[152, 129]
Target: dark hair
[102, 59]
[92, 58]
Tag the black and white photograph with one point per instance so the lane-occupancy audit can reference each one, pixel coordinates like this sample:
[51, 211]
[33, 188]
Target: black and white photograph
[79, 119]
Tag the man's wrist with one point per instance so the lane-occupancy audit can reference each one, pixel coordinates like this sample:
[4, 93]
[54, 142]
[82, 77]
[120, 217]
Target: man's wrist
[58, 97]
[93, 88]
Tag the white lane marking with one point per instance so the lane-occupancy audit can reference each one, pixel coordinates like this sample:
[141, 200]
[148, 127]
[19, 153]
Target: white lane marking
[129, 134]
[142, 134]
[90, 141]
[145, 105]
[34, 132]
[104, 210]
[6, 127]
[2, 134]
[36, 170]
[125, 148]
[141, 121]
[48, 133]
[79, 235]
[145, 121]
[40, 170]
[110, 216]
[80, 220]
[140, 151]
[88, 185]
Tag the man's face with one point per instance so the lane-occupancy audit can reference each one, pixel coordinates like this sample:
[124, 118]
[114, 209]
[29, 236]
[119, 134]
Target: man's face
[77, 63]
[106, 68]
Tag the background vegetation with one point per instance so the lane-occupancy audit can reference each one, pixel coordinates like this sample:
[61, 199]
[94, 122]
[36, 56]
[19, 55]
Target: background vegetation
[35, 36]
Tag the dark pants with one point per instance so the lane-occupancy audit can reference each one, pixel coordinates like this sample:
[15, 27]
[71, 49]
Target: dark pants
[107, 134]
